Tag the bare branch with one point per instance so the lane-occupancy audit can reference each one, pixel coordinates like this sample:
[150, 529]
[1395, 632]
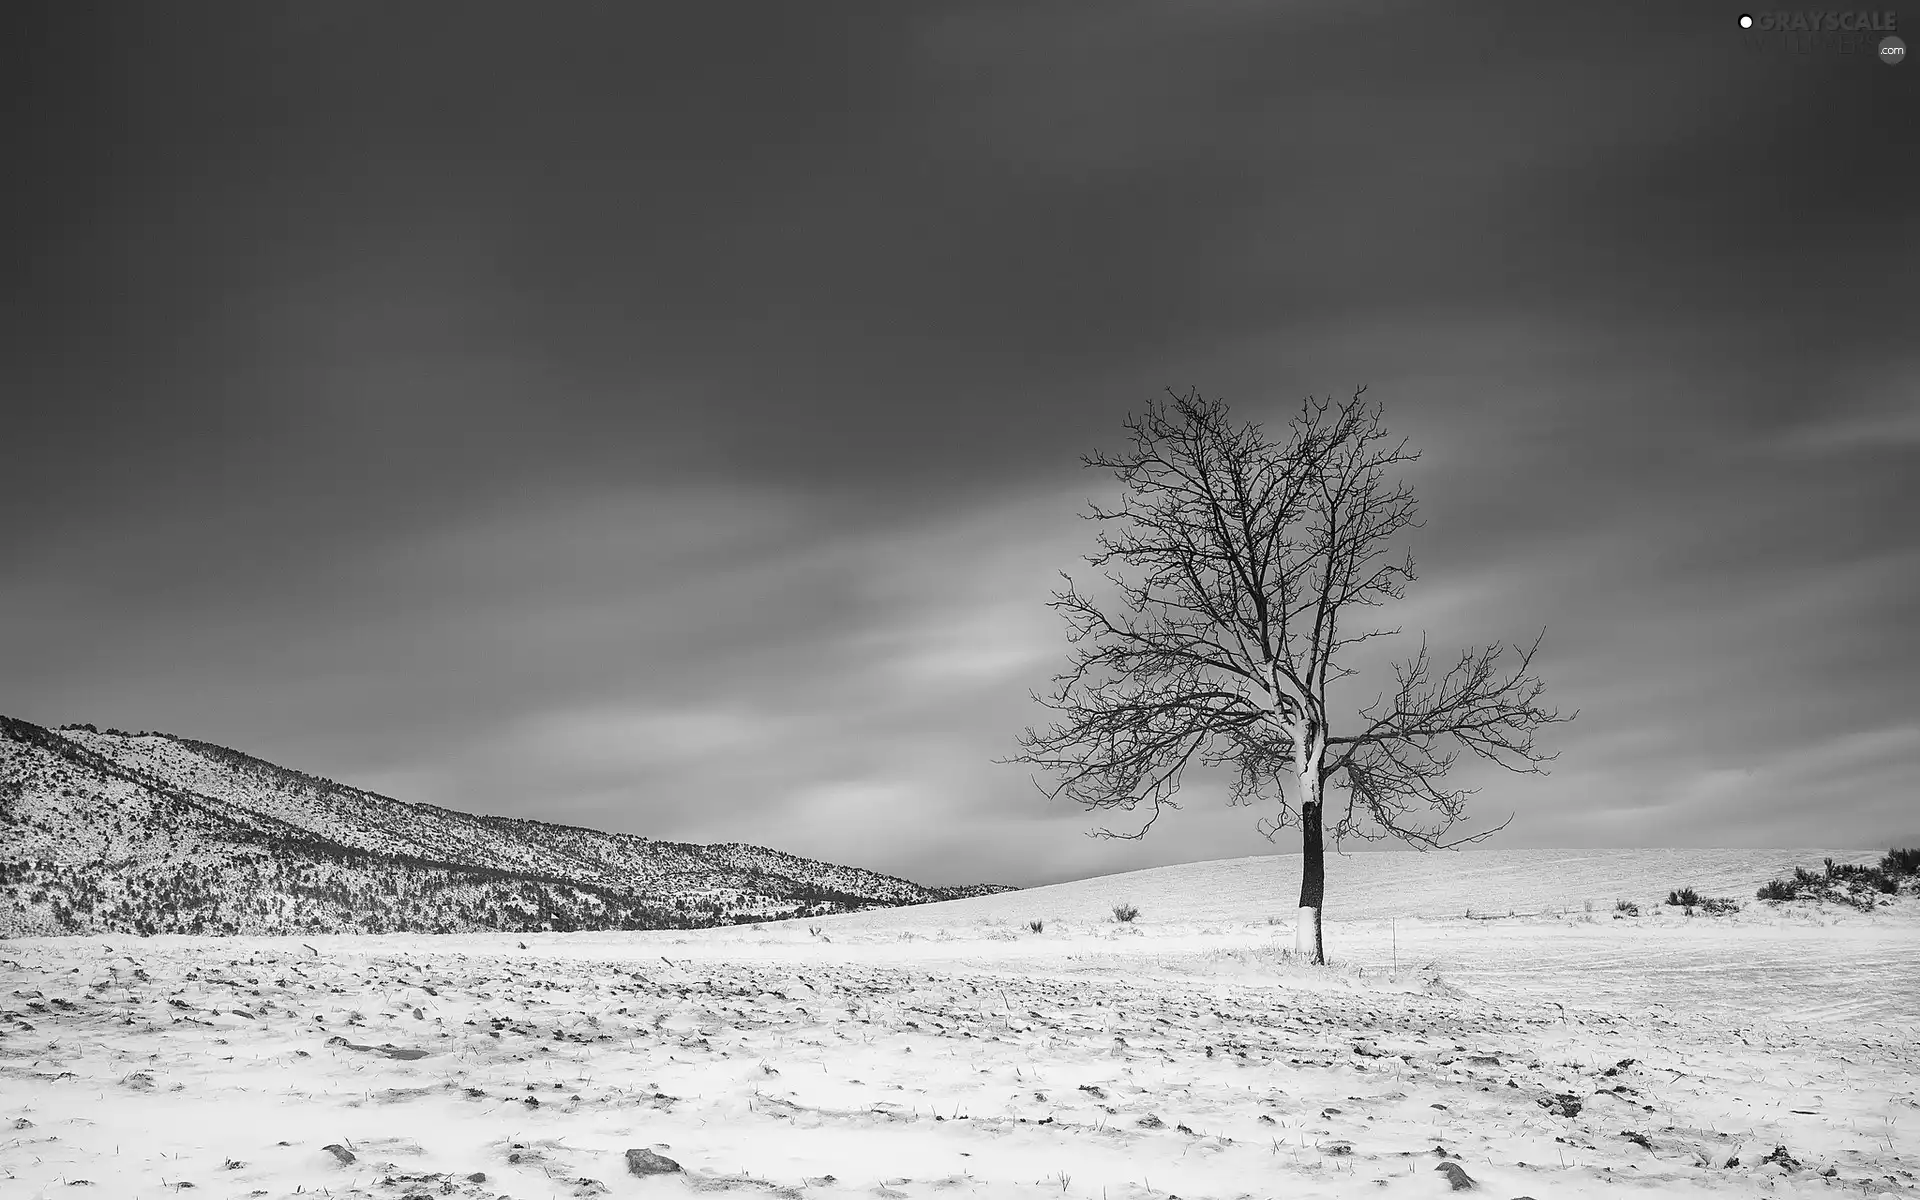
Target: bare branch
[1495, 714]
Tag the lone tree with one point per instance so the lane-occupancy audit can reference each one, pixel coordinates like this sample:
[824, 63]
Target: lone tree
[1237, 565]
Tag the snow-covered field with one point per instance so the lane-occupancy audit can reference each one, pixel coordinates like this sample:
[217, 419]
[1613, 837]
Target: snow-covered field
[949, 1050]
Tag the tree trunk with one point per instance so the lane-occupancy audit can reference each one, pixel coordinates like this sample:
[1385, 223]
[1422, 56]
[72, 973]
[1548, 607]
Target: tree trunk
[1313, 885]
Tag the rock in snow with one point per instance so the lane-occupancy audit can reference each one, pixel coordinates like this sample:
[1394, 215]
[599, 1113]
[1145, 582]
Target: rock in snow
[1457, 1178]
[646, 1162]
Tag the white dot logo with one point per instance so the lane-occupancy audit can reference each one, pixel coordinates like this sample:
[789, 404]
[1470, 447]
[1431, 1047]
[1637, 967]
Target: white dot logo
[1893, 51]
[1746, 22]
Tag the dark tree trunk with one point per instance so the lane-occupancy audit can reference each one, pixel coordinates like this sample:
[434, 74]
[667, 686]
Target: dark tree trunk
[1313, 877]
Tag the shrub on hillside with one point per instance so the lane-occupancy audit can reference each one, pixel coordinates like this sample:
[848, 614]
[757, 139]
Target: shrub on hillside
[1863, 875]
[1626, 906]
[1125, 913]
[1855, 884]
[1716, 905]
[1684, 898]
[1037, 926]
[1901, 862]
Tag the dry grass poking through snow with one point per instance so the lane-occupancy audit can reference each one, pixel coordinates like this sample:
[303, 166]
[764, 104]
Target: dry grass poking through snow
[1546, 1059]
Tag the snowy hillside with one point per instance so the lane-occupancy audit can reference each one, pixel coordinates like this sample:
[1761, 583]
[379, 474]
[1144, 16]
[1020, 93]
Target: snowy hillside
[1376, 886]
[957, 1053]
[115, 832]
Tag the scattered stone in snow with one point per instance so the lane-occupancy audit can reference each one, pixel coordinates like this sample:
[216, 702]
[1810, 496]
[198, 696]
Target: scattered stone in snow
[387, 1049]
[1781, 1156]
[1457, 1179]
[1561, 1105]
[646, 1162]
[340, 1152]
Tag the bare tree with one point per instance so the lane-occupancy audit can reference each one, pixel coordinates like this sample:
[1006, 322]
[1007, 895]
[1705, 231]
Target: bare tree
[1239, 566]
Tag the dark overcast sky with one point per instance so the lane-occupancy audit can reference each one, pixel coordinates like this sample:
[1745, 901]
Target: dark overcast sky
[669, 423]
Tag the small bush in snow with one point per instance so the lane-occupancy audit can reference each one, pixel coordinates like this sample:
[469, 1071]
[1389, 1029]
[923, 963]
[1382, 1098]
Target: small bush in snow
[1858, 885]
[1037, 926]
[1842, 883]
[1716, 905]
[1125, 913]
[1858, 874]
[1901, 862]
[1626, 906]
[1684, 898]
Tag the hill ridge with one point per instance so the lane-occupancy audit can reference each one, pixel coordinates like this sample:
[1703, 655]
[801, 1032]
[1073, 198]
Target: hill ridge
[152, 832]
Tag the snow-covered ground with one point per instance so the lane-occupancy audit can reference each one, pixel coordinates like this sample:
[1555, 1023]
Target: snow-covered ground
[949, 1050]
